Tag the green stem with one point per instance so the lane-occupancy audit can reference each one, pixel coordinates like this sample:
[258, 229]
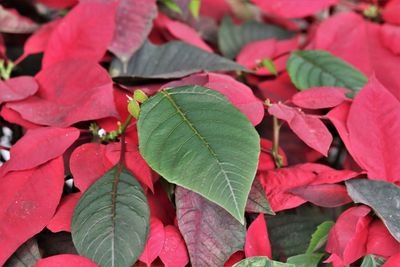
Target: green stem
[123, 128]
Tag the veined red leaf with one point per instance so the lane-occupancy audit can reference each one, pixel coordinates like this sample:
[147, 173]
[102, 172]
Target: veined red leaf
[67, 96]
[278, 183]
[293, 9]
[133, 160]
[63, 217]
[390, 35]
[238, 93]
[29, 200]
[66, 260]
[17, 88]
[309, 129]
[88, 162]
[12, 22]
[323, 195]
[320, 97]
[44, 143]
[212, 235]
[380, 241]
[375, 109]
[392, 261]
[174, 253]
[257, 241]
[84, 33]
[59, 3]
[155, 242]
[348, 237]
[134, 20]
[391, 12]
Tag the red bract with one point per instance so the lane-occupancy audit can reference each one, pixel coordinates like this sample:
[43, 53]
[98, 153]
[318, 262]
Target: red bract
[293, 9]
[239, 94]
[63, 217]
[392, 261]
[12, 22]
[59, 3]
[45, 143]
[320, 97]
[347, 239]
[88, 163]
[380, 241]
[280, 89]
[155, 242]
[257, 242]
[309, 129]
[375, 109]
[160, 206]
[65, 260]
[17, 88]
[29, 200]
[174, 253]
[391, 37]
[391, 12]
[84, 33]
[266, 161]
[67, 96]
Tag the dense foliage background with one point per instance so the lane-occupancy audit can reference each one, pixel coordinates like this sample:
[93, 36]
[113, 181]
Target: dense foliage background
[200, 133]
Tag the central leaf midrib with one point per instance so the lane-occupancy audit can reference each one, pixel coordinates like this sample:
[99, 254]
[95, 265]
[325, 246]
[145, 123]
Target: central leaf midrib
[204, 141]
[117, 175]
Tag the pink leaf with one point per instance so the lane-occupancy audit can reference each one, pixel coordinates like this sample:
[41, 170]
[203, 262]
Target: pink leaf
[155, 242]
[391, 38]
[12, 22]
[59, 3]
[380, 241]
[293, 9]
[17, 88]
[28, 201]
[84, 33]
[320, 97]
[134, 20]
[338, 116]
[63, 217]
[38, 146]
[347, 239]
[257, 241]
[88, 163]
[323, 195]
[376, 109]
[235, 258]
[14, 117]
[67, 96]
[238, 93]
[203, 223]
[391, 12]
[392, 261]
[280, 89]
[174, 253]
[66, 260]
[309, 129]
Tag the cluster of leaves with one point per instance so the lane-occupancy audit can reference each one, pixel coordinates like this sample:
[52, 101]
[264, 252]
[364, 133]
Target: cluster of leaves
[136, 131]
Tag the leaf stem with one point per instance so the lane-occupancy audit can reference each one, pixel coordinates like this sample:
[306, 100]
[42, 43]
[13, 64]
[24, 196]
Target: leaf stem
[276, 126]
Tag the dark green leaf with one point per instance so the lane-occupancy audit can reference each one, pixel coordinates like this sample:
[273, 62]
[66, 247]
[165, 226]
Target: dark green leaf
[306, 260]
[261, 262]
[231, 38]
[194, 137]
[26, 256]
[316, 68]
[202, 223]
[172, 60]
[319, 237]
[257, 201]
[372, 261]
[382, 197]
[111, 220]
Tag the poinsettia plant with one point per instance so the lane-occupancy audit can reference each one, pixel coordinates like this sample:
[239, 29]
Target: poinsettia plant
[200, 133]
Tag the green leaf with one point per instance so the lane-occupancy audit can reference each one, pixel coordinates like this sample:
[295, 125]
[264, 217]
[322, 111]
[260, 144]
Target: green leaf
[316, 68]
[194, 8]
[261, 262]
[269, 65]
[319, 237]
[382, 197]
[232, 38]
[372, 261]
[306, 260]
[194, 137]
[111, 221]
[171, 5]
[172, 60]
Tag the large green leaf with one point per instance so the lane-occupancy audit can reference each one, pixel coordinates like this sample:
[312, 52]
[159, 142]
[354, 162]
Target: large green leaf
[194, 137]
[320, 236]
[306, 260]
[316, 68]
[111, 220]
[382, 197]
[202, 223]
[232, 38]
[172, 60]
[372, 261]
[261, 262]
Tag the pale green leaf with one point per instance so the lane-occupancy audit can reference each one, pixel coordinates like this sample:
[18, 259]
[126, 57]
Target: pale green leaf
[261, 262]
[306, 260]
[319, 237]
